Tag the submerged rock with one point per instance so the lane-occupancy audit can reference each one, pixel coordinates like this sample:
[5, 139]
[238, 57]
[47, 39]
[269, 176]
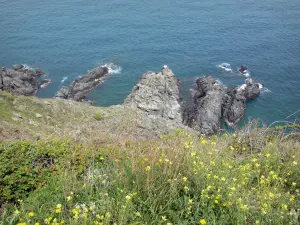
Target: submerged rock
[21, 80]
[81, 86]
[158, 95]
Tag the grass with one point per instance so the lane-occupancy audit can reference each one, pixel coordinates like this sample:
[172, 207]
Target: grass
[249, 177]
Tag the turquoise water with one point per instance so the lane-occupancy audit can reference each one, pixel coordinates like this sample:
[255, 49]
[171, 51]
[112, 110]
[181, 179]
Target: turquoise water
[66, 38]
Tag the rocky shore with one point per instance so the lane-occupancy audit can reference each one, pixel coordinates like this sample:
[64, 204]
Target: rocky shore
[156, 95]
[21, 80]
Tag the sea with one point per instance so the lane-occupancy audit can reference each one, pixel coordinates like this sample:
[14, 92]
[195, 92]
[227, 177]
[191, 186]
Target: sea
[67, 38]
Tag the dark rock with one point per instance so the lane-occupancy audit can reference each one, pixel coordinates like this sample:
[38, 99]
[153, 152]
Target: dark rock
[39, 72]
[158, 95]
[208, 99]
[81, 87]
[20, 81]
[214, 102]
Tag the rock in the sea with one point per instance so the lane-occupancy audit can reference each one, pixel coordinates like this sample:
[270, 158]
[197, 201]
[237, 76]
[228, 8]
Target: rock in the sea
[235, 102]
[20, 80]
[214, 102]
[207, 110]
[158, 95]
[80, 87]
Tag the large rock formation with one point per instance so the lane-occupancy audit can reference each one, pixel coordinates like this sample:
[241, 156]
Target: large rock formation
[80, 87]
[21, 80]
[213, 102]
[157, 94]
[207, 110]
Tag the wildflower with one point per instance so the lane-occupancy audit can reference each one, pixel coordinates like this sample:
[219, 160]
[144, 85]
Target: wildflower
[58, 210]
[193, 153]
[184, 179]
[101, 158]
[21, 223]
[295, 163]
[128, 198]
[147, 168]
[190, 201]
[62, 222]
[37, 223]
[223, 179]
[69, 198]
[202, 221]
[164, 218]
[292, 198]
[268, 155]
[186, 188]
[17, 212]
[233, 135]
[31, 214]
[284, 207]
[92, 207]
[231, 148]
[294, 184]
[204, 141]
[138, 214]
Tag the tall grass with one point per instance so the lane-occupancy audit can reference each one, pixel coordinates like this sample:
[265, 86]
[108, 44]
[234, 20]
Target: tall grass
[250, 177]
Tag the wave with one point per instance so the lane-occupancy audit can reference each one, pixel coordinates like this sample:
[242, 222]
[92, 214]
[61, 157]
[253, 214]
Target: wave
[112, 68]
[225, 66]
[63, 80]
[265, 90]
[27, 67]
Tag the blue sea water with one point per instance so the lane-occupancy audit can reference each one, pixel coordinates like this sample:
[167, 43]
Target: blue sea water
[66, 38]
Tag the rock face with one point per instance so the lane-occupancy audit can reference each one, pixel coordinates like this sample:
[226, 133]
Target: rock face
[214, 102]
[207, 110]
[80, 87]
[21, 81]
[158, 95]
[235, 101]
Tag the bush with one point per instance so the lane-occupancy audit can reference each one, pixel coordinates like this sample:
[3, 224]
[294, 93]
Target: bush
[26, 166]
[99, 116]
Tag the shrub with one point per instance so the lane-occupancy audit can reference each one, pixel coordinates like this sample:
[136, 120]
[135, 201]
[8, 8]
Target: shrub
[99, 116]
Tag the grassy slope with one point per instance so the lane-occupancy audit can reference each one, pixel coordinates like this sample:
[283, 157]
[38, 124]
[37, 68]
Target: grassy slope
[250, 177]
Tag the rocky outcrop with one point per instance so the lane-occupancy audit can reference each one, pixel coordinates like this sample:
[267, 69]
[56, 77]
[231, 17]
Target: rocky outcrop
[214, 102]
[81, 87]
[207, 110]
[21, 80]
[158, 95]
[234, 106]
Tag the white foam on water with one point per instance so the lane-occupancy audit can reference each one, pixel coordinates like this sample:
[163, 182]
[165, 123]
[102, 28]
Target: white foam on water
[242, 87]
[219, 82]
[63, 80]
[225, 66]
[27, 67]
[265, 90]
[112, 68]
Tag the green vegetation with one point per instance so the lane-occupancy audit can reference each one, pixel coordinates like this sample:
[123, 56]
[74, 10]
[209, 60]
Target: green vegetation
[249, 177]
[99, 116]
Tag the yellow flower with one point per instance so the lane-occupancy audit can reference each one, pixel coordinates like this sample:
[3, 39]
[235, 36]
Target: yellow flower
[128, 198]
[190, 201]
[202, 221]
[17, 212]
[58, 210]
[138, 214]
[164, 218]
[31, 214]
[204, 141]
[148, 168]
[21, 223]
[101, 158]
[58, 206]
[62, 222]
[294, 184]
[295, 163]
[69, 198]
[184, 179]
[37, 224]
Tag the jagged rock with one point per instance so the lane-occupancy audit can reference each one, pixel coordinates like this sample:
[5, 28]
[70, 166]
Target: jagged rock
[20, 80]
[207, 110]
[80, 87]
[214, 102]
[158, 95]
[234, 106]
